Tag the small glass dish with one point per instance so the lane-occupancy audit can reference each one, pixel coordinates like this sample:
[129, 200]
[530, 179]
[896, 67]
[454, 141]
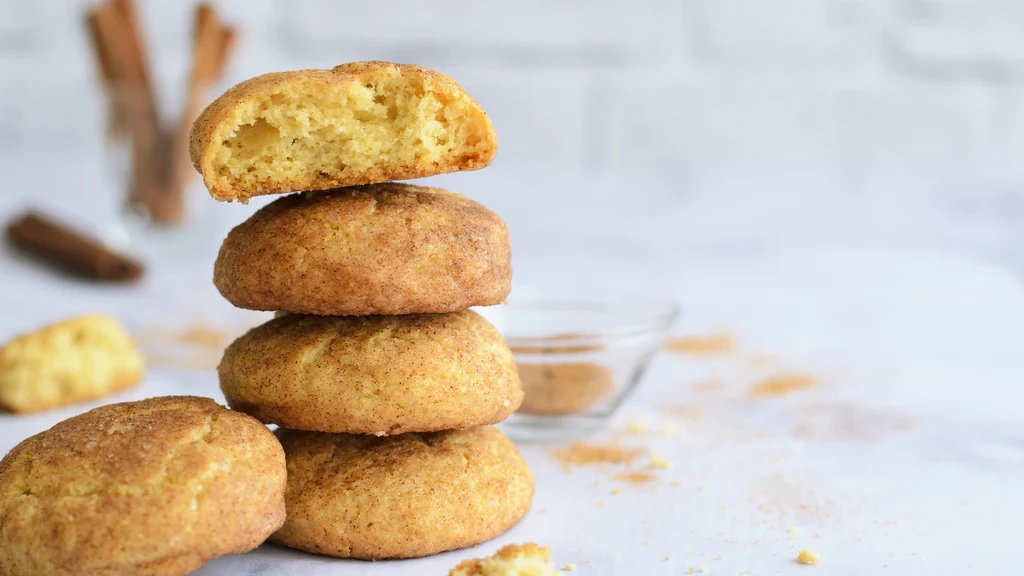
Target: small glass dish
[578, 360]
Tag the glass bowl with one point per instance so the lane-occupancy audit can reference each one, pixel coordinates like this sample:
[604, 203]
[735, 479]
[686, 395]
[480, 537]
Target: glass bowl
[578, 360]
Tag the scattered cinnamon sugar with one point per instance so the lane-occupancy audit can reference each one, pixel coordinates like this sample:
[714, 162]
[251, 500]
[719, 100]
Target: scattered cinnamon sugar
[636, 478]
[205, 336]
[710, 345]
[582, 454]
[782, 384]
[709, 386]
[686, 412]
[196, 346]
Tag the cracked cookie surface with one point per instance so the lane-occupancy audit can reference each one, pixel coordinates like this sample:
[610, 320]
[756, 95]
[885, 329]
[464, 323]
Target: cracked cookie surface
[380, 249]
[406, 496]
[376, 375]
[159, 486]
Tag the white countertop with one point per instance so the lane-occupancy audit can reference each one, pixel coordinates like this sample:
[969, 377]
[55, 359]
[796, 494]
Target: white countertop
[907, 458]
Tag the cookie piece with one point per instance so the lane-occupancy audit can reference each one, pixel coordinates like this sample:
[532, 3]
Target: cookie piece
[513, 560]
[380, 249]
[373, 374]
[360, 123]
[156, 487]
[403, 496]
[71, 361]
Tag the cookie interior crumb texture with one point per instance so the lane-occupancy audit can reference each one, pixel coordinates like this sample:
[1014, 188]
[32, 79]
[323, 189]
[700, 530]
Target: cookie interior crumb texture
[360, 123]
[808, 556]
[71, 361]
[512, 560]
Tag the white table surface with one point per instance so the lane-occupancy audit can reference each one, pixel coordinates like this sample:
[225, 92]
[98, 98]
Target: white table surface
[914, 463]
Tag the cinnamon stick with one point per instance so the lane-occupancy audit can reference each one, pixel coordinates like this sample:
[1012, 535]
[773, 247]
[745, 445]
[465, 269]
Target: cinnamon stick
[70, 251]
[228, 40]
[117, 122]
[137, 51]
[209, 43]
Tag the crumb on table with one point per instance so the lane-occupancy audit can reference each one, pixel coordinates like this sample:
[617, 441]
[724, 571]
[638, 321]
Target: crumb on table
[808, 556]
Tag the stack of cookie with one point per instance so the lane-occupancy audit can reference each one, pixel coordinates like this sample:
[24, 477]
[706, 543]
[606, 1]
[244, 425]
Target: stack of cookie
[383, 383]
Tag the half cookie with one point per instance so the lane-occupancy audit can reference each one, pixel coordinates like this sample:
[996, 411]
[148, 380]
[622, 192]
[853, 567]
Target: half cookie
[360, 123]
[379, 249]
[404, 496]
[373, 374]
[157, 487]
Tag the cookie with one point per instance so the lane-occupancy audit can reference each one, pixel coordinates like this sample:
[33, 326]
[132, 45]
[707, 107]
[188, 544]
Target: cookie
[512, 560]
[157, 487]
[360, 123]
[72, 361]
[380, 249]
[373, 374]
[403, 496]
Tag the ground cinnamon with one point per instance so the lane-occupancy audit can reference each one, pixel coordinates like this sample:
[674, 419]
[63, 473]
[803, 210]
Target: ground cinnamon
[69, 250]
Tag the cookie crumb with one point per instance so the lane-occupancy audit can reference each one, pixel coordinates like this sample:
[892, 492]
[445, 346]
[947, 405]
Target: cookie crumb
[661, 463]
[809, 557]
[511, 560]
[704, 568]
[690, 570]
[569, 567]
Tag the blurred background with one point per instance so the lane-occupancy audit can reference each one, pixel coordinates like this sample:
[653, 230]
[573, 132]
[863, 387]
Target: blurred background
[626, 127]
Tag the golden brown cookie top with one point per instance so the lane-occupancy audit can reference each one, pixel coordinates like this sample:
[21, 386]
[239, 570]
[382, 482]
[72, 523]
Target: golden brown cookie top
[375, 249]
[128, 447]
[373, 374]
[405, 496]
[155, 487]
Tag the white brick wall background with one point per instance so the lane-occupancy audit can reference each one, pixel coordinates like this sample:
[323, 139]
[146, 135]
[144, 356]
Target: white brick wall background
[760, 116]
